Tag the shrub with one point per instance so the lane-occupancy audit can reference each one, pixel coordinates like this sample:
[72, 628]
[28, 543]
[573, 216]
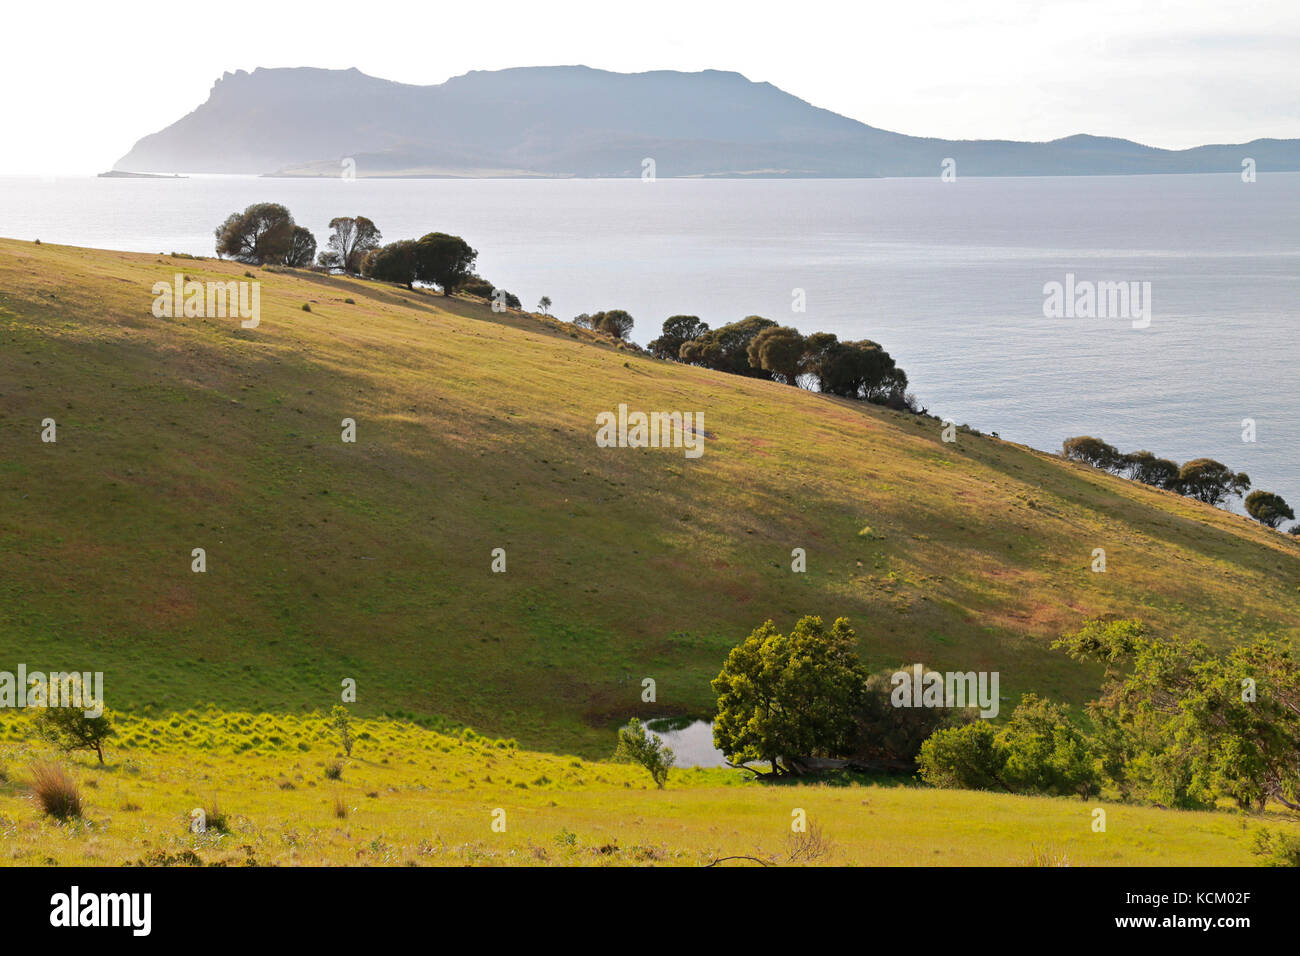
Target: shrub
[1044, 752]
[55, 790]
[965, 757]
[70, 729]
[334, 770]
[889, 736]
[340, 807]
[636, 746]
[1278, 849]
[342, 722]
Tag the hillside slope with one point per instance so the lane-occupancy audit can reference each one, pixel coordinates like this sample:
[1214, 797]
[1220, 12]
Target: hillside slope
[475, 431]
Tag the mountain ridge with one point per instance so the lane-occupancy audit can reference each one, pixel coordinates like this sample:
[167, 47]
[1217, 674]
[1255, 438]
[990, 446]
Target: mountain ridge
[577, 121]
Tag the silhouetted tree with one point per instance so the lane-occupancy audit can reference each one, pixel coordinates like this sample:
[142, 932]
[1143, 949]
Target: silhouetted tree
[262, 233]
[615, 322]
[1210, 481]
[395, 262]
[726, 348]
[1268, 509]
[302, 247]
[351, 240]
[444, 260]
[677, 330]
[1093, 451]
[779, 350]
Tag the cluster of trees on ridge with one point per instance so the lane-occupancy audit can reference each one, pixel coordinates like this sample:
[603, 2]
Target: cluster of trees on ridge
[1175, 725]
[761, 348]
[1202, 478]
[265, 234]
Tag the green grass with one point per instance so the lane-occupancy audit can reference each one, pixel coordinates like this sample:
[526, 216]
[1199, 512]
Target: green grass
[415, 796]
[476, 431]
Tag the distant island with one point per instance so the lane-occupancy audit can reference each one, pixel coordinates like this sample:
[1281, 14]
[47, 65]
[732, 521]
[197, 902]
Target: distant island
[125, 174]
[573, 121]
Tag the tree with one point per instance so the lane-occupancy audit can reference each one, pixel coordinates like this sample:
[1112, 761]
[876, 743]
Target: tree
[351, 239]
[726, 348]
[861, 369]
[966, 757]
[544, 305]
[1145, 467]
[1210, 481]
[889, 738]
[615, 322]
[582, 320]
[1093, 451]
[677, 331]
[1183, 726]
[395, 262]
[444, 260]
[780, 350]
[302, 247]
[260, 234]
[70, 729]
[1038, 751]
[342, 723]
[1045, 753]
[786, 697]
[1268, 509]
[648, 750]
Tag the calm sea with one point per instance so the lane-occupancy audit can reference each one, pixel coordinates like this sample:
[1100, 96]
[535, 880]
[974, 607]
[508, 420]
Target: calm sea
[948, 277]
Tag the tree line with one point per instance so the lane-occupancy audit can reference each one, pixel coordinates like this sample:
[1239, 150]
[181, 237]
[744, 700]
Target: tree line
[761, 348]
[1201, 478]
[266, 234]
[1176, 724]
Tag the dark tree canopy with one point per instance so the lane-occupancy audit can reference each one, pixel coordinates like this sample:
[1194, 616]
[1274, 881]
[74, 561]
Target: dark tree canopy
[1145, 467]
[779, 350]
[444, 260]
[726, 348]
[860, 369]
[261, 234]
[1210, 481]
[395, 262]
[677, 331]
[302, 247]
[1093, 451]
[615, 322]
[1268, 508]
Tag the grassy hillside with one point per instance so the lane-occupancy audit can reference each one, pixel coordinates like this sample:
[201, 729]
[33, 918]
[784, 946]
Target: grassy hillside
[475, 431]
[414, 797]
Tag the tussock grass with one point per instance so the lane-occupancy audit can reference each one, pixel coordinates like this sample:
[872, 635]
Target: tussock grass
[55, 790]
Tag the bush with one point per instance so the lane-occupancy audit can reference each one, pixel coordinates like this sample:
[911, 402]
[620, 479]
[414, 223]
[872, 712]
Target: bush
[342, 723]
[70, 729]
[56, 791]
[648, 750]
[1045, 753]
[965, 757]
[891, 737]
[1278, 849]
[334, 770]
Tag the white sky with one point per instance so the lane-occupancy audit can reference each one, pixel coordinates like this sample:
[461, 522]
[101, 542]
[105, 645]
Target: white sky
[82, 81]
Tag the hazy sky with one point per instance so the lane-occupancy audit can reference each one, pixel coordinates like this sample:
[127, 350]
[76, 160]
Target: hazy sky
[83, 80]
